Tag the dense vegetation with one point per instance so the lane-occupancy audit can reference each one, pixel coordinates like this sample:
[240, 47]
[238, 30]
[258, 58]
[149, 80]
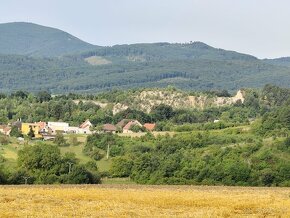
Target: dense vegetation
[234, 158]
[187, 66]
[76, 108]
[250, 144]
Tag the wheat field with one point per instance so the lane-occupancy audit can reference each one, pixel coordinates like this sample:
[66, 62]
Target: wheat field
[143, 201]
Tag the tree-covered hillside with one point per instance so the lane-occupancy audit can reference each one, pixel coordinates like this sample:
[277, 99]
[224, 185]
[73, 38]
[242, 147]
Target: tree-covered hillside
[284, 61]
[73, 74]
[60, 63]
[31, 39]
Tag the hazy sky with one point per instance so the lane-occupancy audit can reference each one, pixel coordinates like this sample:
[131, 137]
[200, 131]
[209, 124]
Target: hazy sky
[257, 27]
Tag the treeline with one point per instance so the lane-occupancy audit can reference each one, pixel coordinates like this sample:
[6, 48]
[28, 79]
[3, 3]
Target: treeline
[205, 159]
[186, 66]
[272, 102]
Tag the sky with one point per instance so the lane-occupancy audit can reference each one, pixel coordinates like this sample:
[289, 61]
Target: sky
[256, 27]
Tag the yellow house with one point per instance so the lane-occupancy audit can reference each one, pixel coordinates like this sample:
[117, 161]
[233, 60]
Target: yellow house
[36, 127]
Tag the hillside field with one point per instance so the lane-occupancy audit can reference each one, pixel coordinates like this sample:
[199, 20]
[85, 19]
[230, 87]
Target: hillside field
[143, 201]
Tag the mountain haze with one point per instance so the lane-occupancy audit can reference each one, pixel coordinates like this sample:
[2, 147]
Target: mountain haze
[35, 40]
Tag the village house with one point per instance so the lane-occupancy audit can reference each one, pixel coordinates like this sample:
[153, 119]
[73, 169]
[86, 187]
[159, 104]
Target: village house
[54, 127]
[73, 130]
[86, 125]
[18, 124]
[42, 125]
[109, 128]
[149, 126]
[77, 130]
[4, 129]
[122, 123]
[36, 127]
[129, 125]
[84, 128]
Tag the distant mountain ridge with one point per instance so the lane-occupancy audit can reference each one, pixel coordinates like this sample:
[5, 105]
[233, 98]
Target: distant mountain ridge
[31, 39]
[283, 61]
[170, 51]
[33, 58]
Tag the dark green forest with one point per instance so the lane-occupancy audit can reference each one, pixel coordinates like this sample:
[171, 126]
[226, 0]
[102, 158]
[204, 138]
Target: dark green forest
[73, 74]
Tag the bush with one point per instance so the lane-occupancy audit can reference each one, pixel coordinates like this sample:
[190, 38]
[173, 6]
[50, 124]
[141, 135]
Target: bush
[2, 159]
[15, 132]
[96, 154]
[121, 167]
[60, 140]
[4, 140]
[3, 178]
[136, 128]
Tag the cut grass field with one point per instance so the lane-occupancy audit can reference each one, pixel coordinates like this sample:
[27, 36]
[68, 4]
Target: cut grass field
[143, 201]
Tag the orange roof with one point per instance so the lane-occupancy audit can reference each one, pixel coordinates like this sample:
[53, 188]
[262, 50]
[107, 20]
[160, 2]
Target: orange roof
[150, 126]
[41, 124]
[132, 123]
[109, 127]
[123, 123]
[128, 125]
[5, 129]
[86, 124]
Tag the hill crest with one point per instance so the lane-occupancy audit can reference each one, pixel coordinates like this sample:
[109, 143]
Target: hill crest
[22, 38]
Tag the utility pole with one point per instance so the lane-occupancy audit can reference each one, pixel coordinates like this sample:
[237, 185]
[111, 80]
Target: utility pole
[69, 166]
[26, 179]
[108, 151]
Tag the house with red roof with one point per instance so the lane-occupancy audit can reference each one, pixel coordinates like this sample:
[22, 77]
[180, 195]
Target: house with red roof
[109, 128]
[149, 126]
[86, 125]
[4, 129]
[123, 123]
[130, 124]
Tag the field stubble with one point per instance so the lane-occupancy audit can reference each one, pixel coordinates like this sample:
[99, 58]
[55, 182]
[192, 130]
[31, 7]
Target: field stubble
[142, 201]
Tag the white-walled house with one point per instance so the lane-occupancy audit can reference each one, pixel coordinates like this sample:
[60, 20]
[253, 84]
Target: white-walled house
[58, 127]
[78, 130]
[86, 125]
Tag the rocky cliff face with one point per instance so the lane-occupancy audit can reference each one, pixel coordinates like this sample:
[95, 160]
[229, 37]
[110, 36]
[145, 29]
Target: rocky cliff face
[146, 100]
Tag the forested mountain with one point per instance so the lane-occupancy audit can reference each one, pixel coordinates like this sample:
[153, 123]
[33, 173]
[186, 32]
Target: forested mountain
[284, 61]
[31, 39]
[60, 63]
[73, 74]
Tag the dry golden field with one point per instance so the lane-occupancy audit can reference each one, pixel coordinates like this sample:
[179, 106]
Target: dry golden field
[143, 201]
